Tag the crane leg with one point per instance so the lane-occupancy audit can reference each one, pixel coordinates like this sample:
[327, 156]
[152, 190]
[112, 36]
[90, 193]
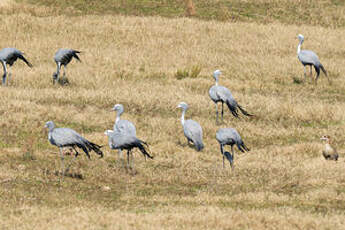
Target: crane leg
[9, 74]
[58, 68]
[223, 162]
[311, 72]
[305, 74]
[132, 160]
[317, 70]
[62, 162]
[74, 159]
[222, 110]
[121, 157]
[55, 78]
[4, 79]
[120, 154]
[64, 71]
[216, 112]
[5, 73]
[232, 162]
[222, 151]
[128, 152]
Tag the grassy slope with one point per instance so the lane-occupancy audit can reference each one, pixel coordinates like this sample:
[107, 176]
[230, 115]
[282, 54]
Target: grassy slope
[325, 13]
[282, 183]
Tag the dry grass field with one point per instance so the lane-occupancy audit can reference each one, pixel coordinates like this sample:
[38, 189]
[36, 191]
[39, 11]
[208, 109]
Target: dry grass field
[282, 183]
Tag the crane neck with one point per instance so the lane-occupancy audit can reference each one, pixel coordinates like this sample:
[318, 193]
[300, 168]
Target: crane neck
[58, 68]
[118, 115]
[216, 84]
[299, 46]
[182, 117]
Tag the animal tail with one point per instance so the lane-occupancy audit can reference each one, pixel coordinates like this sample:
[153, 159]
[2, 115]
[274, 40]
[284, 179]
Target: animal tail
[244, 112]
[242, 147]
[75, 52]
[199, 145]
[323, 69]
[143, 150]
[96, 148]
[26, 61]
[143, 142]
[233, 109]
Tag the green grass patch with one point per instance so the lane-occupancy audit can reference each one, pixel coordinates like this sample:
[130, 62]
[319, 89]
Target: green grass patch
[289, 12]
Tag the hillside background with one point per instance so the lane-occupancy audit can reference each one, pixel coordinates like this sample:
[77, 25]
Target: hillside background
[147, 56]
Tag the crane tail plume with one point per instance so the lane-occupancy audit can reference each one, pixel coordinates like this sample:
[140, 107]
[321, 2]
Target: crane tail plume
[245, 112]
[26, 61]
[143, 150]
[143, 142]
[96, 148]
[75, 52]
[323, 69]
[232, 109]
[245, 147]
[242, 147]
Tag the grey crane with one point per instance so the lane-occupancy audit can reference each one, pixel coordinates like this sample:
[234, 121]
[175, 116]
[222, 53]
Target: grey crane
[66, 137]
[308, 57]
[192, 129]
[63, 57]
[123, 126]
[9, 56]
[222, 94]
[121, 140]
[230, 136]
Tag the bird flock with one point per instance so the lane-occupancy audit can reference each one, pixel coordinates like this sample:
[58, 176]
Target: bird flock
[123, 135]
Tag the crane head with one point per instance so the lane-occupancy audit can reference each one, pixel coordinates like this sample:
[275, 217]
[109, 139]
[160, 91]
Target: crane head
[50, 125]
[118, 108]
[300, 37]
[183, 105]
[216, 74]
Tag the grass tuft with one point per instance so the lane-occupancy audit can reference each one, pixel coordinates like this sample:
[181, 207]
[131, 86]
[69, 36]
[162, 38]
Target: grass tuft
[188, 73]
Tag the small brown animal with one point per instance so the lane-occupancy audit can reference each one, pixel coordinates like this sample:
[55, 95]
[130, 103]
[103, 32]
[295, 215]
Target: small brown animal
[329, 152]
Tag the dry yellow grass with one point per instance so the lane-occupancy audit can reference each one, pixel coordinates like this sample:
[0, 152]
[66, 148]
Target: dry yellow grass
[284, 182]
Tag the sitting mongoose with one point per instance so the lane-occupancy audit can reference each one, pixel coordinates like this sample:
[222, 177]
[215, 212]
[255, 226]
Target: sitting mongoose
[329, 152]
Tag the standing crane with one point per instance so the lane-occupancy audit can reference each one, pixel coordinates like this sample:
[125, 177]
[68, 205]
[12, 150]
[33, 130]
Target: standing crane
[66, 137]
[308, 57]
[192, 129]
[222, 94]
